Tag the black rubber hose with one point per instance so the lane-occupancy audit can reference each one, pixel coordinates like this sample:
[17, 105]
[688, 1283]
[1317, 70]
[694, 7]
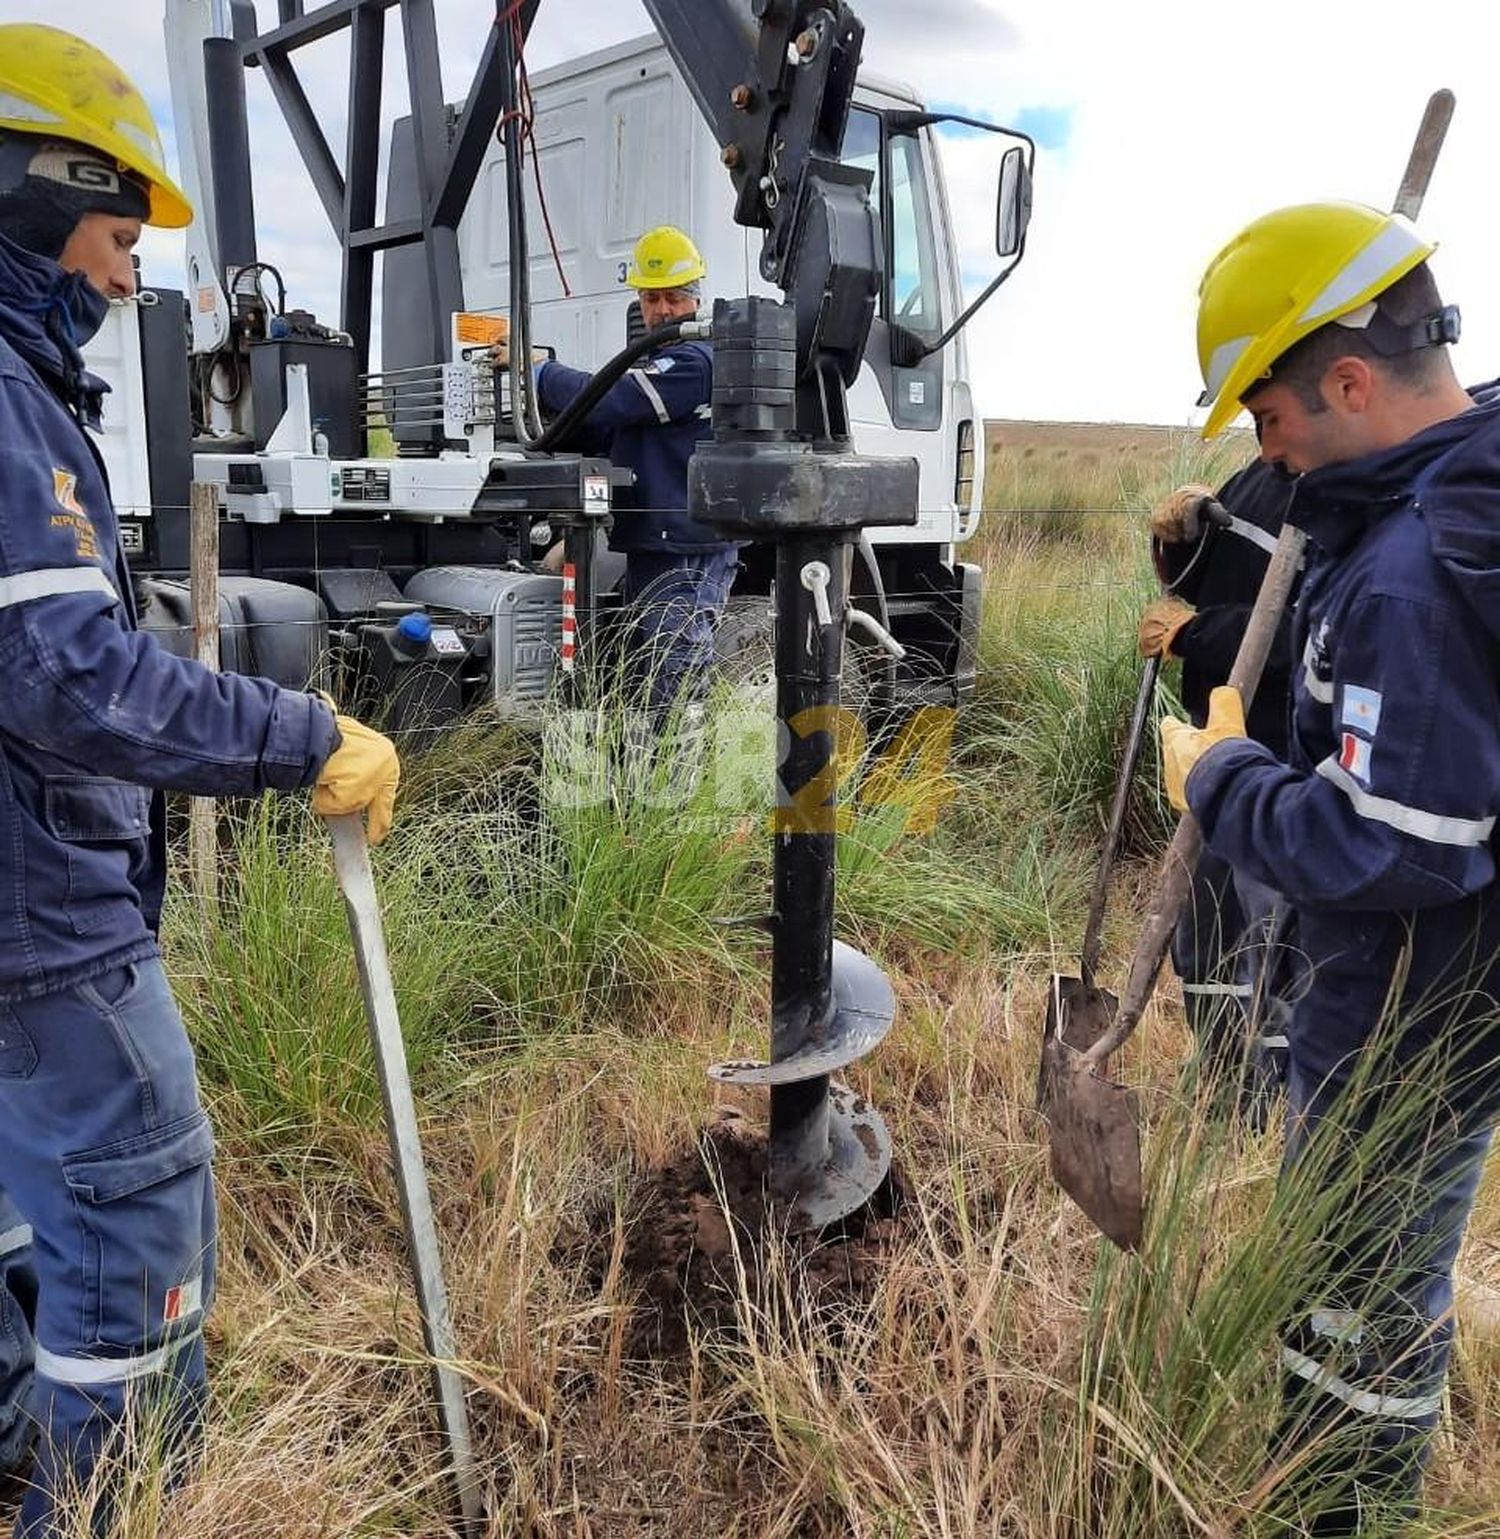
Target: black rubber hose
[605, 379]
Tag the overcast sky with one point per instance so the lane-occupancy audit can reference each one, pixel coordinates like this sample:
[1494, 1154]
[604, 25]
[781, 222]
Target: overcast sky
[1164, 127]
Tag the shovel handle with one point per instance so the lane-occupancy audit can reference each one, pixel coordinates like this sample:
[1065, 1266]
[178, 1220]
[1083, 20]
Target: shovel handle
[1134, 740]
[1176, 876]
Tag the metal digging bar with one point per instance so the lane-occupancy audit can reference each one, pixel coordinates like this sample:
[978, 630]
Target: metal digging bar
[351, 856]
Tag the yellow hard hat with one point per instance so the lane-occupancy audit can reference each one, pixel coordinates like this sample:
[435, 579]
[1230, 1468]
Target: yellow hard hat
[1283, 277]
[55, 85]
[665, 258]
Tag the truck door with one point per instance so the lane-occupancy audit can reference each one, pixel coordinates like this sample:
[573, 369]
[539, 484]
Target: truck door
[897, 410]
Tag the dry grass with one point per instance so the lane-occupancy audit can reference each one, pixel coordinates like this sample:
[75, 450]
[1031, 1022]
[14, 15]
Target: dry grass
[955, 1401]
[1006, 1376]
[1102, 467]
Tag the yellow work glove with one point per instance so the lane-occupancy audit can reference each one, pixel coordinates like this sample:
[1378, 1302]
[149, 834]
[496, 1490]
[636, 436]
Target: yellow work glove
[1178, 518]
[1160, 622]
[1182, 746]
[361, 773]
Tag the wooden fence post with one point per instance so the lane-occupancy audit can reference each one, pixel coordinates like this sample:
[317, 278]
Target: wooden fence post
[203, 547]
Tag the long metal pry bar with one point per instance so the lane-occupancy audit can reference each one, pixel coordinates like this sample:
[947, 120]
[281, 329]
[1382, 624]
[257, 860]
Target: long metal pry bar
[351, 856]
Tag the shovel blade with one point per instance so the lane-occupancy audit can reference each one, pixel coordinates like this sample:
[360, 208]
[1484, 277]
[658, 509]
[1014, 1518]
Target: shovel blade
[1092, 1123]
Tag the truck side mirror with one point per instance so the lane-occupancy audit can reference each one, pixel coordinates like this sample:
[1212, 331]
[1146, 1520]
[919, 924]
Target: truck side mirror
[1012, 216]
[1013, 205]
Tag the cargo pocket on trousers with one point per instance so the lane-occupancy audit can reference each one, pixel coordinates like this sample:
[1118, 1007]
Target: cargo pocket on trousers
[142, 1205]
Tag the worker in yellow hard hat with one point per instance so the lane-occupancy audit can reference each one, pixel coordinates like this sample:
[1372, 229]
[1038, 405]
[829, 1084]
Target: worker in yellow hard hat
[107, 1228]
[667, 272]
[1377, 827]
[678, 572]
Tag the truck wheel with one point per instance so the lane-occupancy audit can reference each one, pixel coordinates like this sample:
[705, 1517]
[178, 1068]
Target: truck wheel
[745, 658]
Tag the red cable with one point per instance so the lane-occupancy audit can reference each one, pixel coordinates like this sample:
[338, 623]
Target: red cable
[525, 112]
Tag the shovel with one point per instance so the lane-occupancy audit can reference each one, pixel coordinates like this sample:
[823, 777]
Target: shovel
[1079, 1013]
[1095, 1137]
[351, 855]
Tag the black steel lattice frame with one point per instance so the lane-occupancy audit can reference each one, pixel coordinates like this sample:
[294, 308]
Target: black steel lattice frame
[446, 164]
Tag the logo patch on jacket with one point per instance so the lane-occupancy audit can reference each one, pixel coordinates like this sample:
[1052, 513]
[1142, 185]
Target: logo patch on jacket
[1361, 709]
[64, 489]
[659, 366]
[73, 518]
[1354, 756]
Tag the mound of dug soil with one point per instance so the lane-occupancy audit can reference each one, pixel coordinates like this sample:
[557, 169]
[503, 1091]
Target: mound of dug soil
[700, 1236]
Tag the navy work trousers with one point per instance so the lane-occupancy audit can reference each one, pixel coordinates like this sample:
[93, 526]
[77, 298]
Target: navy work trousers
[107, 1153]
[1383, 1160]
[1234, 981]
[673, 604]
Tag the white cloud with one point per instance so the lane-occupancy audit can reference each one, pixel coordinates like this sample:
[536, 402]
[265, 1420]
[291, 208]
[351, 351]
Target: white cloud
[1187, 121]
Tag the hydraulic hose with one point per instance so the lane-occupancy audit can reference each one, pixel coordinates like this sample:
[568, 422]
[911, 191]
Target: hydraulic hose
[605, 379]
[525, 410]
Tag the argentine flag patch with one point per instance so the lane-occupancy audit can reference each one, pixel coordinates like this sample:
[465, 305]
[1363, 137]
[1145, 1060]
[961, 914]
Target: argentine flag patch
[1361, 709]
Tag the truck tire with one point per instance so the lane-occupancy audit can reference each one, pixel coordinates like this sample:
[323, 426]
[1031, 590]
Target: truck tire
[745, 658]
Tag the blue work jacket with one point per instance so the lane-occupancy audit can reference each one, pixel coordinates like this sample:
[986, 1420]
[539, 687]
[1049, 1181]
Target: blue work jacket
[94, 715]
[1380, 827]
[650, 422]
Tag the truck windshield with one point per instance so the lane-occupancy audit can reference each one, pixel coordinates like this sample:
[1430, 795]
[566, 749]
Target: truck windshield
[900, 193]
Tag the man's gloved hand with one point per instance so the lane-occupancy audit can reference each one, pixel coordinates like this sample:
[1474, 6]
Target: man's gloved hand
[1178, 518]
[361, 773]
[500, 347]
[1160, 622]
[1183, 745]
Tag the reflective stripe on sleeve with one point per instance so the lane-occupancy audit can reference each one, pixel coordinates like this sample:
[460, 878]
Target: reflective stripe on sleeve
[109, 1370]
[652, 394]
[1278, 1041]
[52, 581]
[17, 1237]
[1467, 833]
[1401, 1407]
[1220, 990]
[1319, 689]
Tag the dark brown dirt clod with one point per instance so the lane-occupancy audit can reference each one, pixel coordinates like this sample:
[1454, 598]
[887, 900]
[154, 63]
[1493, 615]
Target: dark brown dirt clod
[702, 1233]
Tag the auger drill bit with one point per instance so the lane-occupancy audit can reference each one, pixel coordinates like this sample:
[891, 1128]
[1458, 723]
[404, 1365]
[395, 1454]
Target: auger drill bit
[829, 1149]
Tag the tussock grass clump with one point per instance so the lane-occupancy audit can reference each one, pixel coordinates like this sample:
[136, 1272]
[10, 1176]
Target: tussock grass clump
[1059, 675]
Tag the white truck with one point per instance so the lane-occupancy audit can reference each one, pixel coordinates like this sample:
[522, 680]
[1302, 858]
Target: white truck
[620, 146]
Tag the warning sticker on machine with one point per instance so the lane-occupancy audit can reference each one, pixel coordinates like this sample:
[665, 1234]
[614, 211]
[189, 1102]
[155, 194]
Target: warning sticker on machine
[365, 484]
